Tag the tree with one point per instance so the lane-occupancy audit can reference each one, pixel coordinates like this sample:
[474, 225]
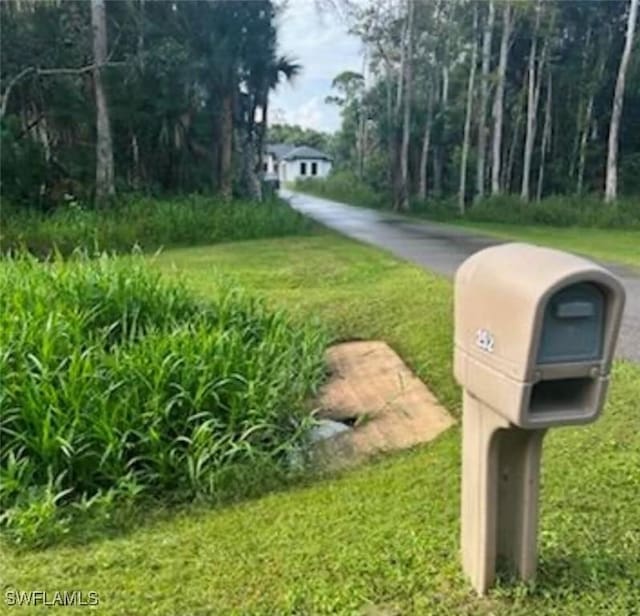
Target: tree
[546, 136]
[561, 60]
[498, 101]
[403, 196]
[105, 186]
[467, 122]
[189, 94]
[426, 143]
[483, 129]
[350, 88]
[611, 185]
[534, 80]
[274, 70]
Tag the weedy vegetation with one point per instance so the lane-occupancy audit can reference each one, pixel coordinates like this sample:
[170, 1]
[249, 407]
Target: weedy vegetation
[118, 384]
[146, 223]
[346, 187]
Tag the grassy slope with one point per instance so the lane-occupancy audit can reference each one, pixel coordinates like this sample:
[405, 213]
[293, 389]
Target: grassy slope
[384, 535]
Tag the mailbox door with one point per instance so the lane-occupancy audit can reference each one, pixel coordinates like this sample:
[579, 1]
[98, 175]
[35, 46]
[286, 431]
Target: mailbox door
[573, 325]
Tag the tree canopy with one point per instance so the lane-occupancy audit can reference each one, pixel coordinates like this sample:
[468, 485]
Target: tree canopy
[186, 86]
[492, 97]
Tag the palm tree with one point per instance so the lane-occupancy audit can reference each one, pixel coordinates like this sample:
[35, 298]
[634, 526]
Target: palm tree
[278, 68]
[264, 75]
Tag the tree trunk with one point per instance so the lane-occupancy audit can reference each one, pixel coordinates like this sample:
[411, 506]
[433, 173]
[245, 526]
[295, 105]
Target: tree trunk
[226, 146]
[575, 151]
[135, 156]
[585, 125]
[105, 186]
[546, 136]
[251, 181]
[483, 129]
[611, 186]
[584, 134]
[507, 170]
[533, 94]
[467, 122]
[361, 135]
[406, 120]
[498, 102]
[424, 154]
[437, 171]
[360, 143]
[261, 133]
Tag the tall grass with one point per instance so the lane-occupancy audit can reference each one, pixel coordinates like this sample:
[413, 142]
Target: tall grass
[115, 380]
[147, 223]
[346, 187]
[556, 210]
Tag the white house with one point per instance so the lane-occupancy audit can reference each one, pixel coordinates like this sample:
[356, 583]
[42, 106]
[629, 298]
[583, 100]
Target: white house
[290, 162]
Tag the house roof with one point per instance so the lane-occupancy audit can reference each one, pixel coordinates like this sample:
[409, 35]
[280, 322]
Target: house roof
[291, 152]
[279, 149]
[304, 151]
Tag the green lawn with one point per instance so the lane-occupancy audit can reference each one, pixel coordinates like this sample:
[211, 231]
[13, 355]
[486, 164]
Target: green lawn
[381, 539]
[615, 245]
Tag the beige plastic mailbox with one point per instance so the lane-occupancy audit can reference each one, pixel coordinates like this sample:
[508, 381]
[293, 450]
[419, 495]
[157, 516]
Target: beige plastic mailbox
[535, 332]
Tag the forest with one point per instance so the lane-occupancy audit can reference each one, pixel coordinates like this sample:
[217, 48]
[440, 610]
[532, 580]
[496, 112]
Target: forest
[456, 99]
[462, 99]
[101, 98]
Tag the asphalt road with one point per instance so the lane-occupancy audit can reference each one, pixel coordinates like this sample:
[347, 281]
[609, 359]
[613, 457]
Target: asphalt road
[442, 248]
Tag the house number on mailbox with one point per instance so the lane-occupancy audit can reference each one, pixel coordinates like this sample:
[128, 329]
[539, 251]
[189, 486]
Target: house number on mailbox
[484, 339]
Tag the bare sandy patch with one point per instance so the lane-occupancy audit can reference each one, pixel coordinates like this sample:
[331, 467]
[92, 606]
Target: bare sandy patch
[373, 391]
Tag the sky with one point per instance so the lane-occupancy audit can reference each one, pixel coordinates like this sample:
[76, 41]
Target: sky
[319, 41]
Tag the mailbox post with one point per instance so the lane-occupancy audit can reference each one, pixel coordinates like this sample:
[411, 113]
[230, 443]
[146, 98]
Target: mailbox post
[535, 332]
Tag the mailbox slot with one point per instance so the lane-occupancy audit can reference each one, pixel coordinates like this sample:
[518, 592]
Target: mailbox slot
[566, 396]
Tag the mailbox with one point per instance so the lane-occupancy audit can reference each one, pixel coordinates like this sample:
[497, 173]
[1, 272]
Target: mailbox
[535, 332]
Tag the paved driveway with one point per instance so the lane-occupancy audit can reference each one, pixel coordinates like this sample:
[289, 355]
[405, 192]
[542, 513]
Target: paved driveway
[441, 248]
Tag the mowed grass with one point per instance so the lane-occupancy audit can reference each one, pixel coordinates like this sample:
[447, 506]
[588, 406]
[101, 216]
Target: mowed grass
[381, 539]
[614, 245]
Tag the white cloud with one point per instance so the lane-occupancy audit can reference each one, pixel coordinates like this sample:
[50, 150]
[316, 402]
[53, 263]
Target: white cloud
[309, 114]
[319, 41]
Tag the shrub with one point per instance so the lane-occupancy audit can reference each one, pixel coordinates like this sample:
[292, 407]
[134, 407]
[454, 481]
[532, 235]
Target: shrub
[557, 211]
[116, 381]
[344, 186]
[147, 223]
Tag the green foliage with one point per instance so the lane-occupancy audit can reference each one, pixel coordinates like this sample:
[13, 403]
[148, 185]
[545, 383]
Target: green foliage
[343, 186]
[579, 47]
[22, 165]
[357, 292]
[559, 211]
[556, 211]
[383, 538]
[173, 70]
[118, 382]
[147, 223]
[296, 135]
